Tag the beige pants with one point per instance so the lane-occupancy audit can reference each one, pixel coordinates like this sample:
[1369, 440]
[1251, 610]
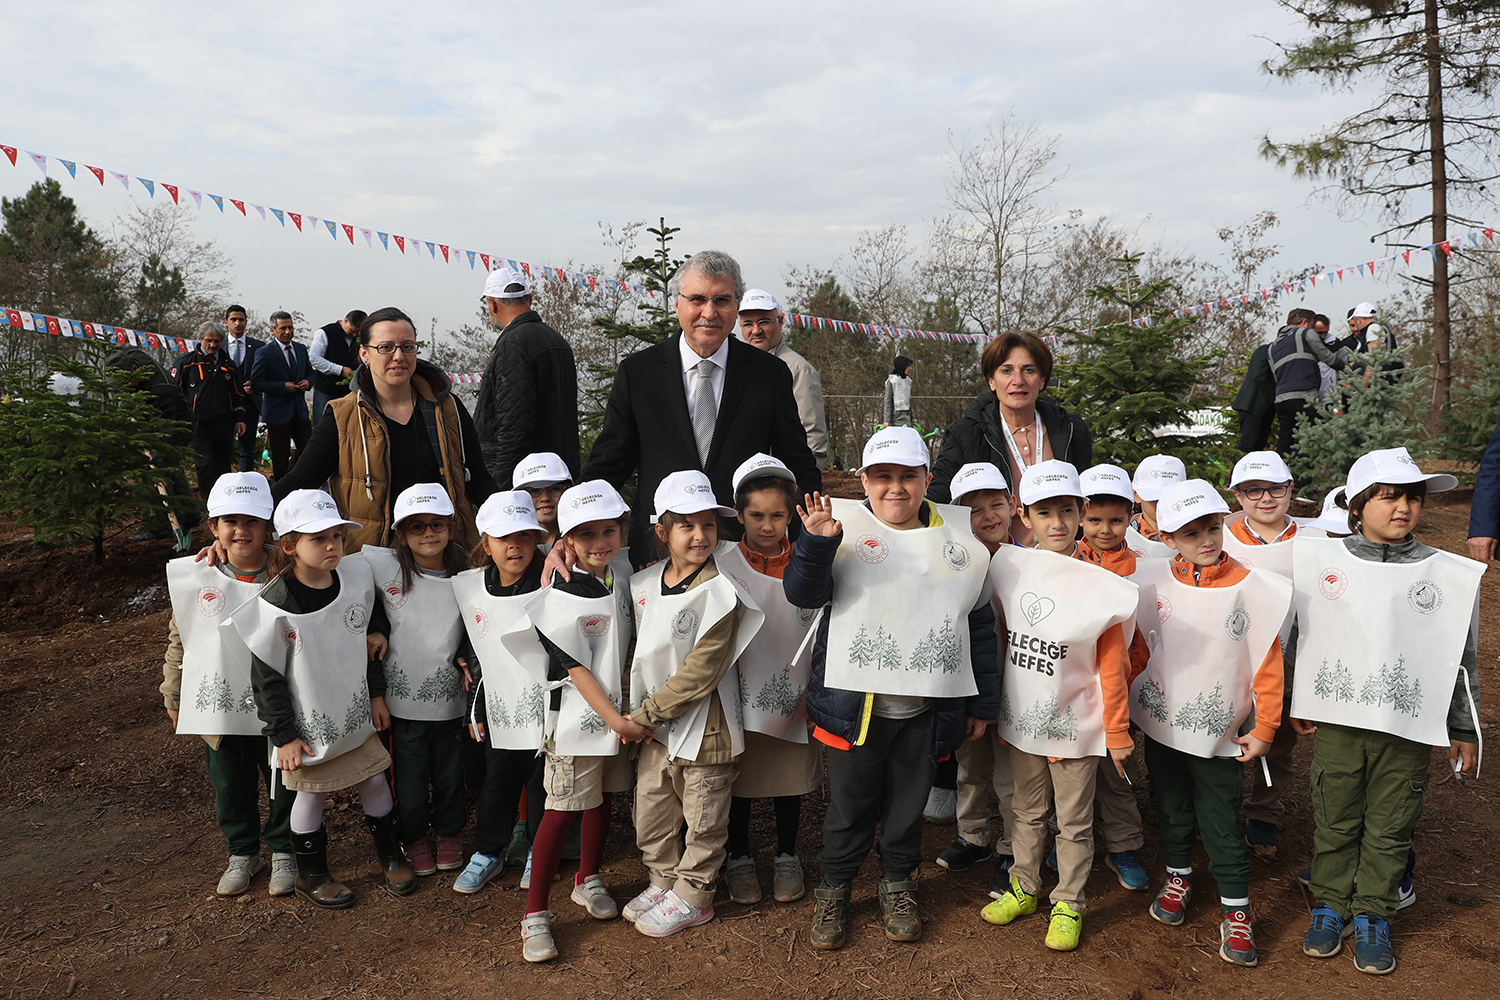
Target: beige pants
[1119, 813]
[1068, 785]
[984, 763]
[666, 794]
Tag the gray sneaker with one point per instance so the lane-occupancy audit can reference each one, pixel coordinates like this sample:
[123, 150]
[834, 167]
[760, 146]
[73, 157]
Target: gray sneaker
[593, 896]
[283, 873]
[242, 868]
[787, 884]
[744, 887]
[536, 938]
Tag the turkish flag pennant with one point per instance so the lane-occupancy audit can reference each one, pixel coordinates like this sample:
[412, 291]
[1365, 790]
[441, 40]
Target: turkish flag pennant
[349, 232]
[1489, 234]
[296, 220]
[151, 339]
[1447, 249]
[171, 189]
[97, 172]
[525, 268]
[238, 204]
[53, 327]
[1341, 274]
[10, 151]
[1406, 256]
[445, 252]
[88, 329]
[401, 243]
[486, 258]
[13, 317]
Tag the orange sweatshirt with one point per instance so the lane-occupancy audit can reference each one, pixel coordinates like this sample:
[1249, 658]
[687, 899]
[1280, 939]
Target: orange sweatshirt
[1270, 680]
[1120, 562]
[1241, 529]
[768, 565]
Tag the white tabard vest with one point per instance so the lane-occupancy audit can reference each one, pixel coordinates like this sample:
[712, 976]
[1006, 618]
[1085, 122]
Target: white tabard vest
[898, 623]
[1274, 557]
[514, 666]
[1146, 548]
[1381, 643]
[1206, 644]
[1056, 608]
[667, 627]
[900, 392]
[323, 657]
[217, 699]
[596, 632]
[421, 682]
[775, 667]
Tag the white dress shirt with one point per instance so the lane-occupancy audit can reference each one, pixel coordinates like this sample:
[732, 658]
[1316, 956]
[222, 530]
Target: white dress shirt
[237, 348]
[690, 372]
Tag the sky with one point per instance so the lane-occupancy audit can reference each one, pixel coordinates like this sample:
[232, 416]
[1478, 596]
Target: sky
[776, 131]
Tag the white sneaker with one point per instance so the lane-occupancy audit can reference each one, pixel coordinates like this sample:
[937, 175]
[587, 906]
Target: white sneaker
[536, 938]
[647, 901]
[236, 878]
[283, 874]
[942, 806]
[671, 915]
[594, 897]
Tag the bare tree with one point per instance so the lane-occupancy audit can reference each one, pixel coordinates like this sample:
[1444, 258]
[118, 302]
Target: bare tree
[175, 282]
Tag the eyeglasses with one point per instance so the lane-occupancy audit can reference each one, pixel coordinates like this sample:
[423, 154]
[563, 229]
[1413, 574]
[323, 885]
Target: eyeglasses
[437, 525]
[1275, 492]
[721, 303]
[389, 349]
[764, 323]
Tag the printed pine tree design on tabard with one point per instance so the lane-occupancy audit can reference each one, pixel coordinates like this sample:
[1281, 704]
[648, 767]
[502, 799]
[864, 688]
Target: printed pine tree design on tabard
[923, 654]
[214, 695]
[1005, 710]
[1334, 682]
[358, 712]
[247, 700]
[532, 709]
[317, 729]
[441, 686]
[397, 684]
[495, 708]
[887, 652]
[1042, 721]
[1389, 684]
[862, 650]
[949, 652]
[591, 722]
[779, 695]
[1153, 699]
[1207, 712]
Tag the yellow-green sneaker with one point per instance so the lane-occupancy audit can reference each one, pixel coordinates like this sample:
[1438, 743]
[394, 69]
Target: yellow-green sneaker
[1015, 903]
[1065, 929]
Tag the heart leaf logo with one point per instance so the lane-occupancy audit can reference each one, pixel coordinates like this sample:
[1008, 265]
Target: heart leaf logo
[1036, 608]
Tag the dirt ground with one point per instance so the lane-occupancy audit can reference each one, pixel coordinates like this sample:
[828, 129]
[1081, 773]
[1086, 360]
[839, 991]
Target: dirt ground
[110, 851]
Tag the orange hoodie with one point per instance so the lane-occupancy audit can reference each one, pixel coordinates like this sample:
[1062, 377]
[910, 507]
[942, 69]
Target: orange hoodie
[1270, 680]
[1120, 562]
[773, 566]
[1240, 526]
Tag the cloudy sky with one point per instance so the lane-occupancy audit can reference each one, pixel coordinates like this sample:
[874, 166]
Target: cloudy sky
[776, 131]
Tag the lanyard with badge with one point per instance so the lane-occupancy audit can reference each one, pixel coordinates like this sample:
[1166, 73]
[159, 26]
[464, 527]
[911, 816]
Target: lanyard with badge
[1021, 463]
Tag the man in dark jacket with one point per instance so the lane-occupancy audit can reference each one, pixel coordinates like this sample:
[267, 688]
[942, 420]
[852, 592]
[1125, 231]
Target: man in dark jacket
[215, 394]
[1294, 358]
[1484, 512]
[1256, 401]
[147, 376]
[528, 400]
[334, 355]
[978, 436]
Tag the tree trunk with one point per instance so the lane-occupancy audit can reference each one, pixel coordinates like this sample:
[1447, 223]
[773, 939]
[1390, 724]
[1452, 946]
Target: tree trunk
[99, 548]
[1442, 361]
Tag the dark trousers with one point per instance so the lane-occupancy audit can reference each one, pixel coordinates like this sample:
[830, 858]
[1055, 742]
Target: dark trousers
[1287, 412]
[885, 780]
[425, 755]
[213, 448]
[1255, 429]
[321, 400]
[281, 438]
[237, 770]
[1206, 789]
[506, 772]
[248, 453]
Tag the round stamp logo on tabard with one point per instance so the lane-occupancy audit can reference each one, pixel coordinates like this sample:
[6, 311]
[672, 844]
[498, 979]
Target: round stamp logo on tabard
[640, 609]
[1332, 583]
[291, 638]
[481, 623]
[1139, 553]
[871, 548]
[805, 616]
[1425, 597]
[356, 617]
[1244, 561]
[1237, 624]
[684, 624]
[956, 556]
[594, 626]
[395, 597]
[1163, 610]
[210, 601]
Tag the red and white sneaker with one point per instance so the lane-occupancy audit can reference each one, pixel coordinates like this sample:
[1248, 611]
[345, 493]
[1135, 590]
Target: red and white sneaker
[1170, 905]
[1237, 939]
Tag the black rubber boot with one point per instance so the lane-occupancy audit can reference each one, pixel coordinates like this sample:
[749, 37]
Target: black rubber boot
[399, 877]
[314, 884]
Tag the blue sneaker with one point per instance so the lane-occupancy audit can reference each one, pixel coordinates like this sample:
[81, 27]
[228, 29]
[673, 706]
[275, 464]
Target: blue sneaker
[1406, 893]
[1372, 946]
[481, 868]
[1129, 871]
[1325, 935]
[1051, 861]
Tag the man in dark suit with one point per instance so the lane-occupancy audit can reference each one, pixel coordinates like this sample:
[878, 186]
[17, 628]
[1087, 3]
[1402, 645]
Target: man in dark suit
[241, 350]
[283, 373]
[699, 400]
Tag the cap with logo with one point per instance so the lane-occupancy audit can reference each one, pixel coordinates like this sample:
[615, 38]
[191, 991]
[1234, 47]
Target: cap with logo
[1156, 473]
[974, 477]
[308, 511]
[500, 278]
[1266, 466]
[1395, 467]
[1181, 503]
[1052, 478]
[594, 500]
[1106, 480]
[1333, 518]
[687, 492]
[1365, 310]
[758, 298]
[506, 513]
[895, 446]
[423, 498]
[541, 468]
[760, 465]
[246, 493]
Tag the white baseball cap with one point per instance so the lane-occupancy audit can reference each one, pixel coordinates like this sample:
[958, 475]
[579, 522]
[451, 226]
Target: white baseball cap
[1395, 467]
[1052, 478]
[309, 511]
[759, 465]
[974, 477]
[1333, 518]
[541, 468]
[423, 498]
[687, 492]
[758, 298]
[1156, 473]
[895, 446]
[496, 280]
[1364, 310]
[1106, 480]
[241, 493]
[1187, 501]
[594, 500]
[1263, 465]
[506, 513]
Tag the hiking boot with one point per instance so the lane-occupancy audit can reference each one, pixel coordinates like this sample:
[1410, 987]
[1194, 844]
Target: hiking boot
[1000, 881]
[786, 881]
[1372, 946]
[828, 917]
[744, 887]
[236, 878]
[1325, 934]
[283, 874]
[450, 854]
[962, 855]
[671, 915]
[520, 843]
[481, 868]
[649, 899]
[1170, 905]
[1013, 903]
[1237, 939]
[399, 878]
[942, 806]
[536, 937]
[1128, 870]
[420, 857]
[1064, 929]
[314, 883]
[1260, 836]
[898, 904]
[594, 897]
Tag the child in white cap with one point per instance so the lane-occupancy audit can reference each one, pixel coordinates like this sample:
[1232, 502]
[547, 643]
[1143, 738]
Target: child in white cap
[903, 668]
[692, 623]
[780, 762]
[545, 476]
[1062, 695]
[1154, 474]
[315, 635]
[424, 692]
[1213, 629]
[215, 674]
[1389, 670]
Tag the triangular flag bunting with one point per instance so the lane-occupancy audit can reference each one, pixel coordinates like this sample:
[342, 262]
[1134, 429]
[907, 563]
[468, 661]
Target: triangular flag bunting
[432, 249]
[72, 167]
[261, 209]
[150, 186]
[296, 220]
[485, 259]
[445, 252]
[39, 160]
[197, 197]
[171, 189]
[1489, 234]
[385, 240]
[238, 204]
[280, 216]
[9, 151]
[124, 179]
[366, 234]
[349, 232]
[400, 243]
[472, 255]
[333, 229]
[218, 200]
[97, 172]
[312, 222]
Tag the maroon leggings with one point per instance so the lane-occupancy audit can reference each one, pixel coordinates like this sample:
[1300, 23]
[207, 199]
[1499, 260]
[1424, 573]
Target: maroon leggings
[546, 850]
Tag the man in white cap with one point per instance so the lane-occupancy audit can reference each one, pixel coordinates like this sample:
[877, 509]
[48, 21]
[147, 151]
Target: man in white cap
[528, 400]
[761, 325]
[1373, 335]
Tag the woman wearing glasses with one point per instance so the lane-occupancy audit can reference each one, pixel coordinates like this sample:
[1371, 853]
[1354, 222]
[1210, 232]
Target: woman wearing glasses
[399, 426]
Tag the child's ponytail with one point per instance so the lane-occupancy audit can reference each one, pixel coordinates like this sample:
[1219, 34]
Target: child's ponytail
[281, 559]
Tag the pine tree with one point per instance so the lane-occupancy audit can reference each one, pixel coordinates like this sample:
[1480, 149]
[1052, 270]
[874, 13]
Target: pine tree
[1374, 689]
[214, 695]
[358, 712]
[533, 708]
[1005, 709]
[591, 722]
[52, 262]
[1367, 413]
[1416, 697]
[1153, 699]
[923, 654]
[949, 649]
[318, 730]
[1188, 715]
[1217, 716]
[861, 650]
[397, 684]
[440, 687]
[779, 695]
[246, 701]
[499, 716]
[887, 652]
[1323, 680]
[1343, 682]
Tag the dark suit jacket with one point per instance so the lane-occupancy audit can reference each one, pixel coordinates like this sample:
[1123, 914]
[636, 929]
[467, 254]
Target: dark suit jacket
[246, 369]
[647, 427]
[270, 376]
